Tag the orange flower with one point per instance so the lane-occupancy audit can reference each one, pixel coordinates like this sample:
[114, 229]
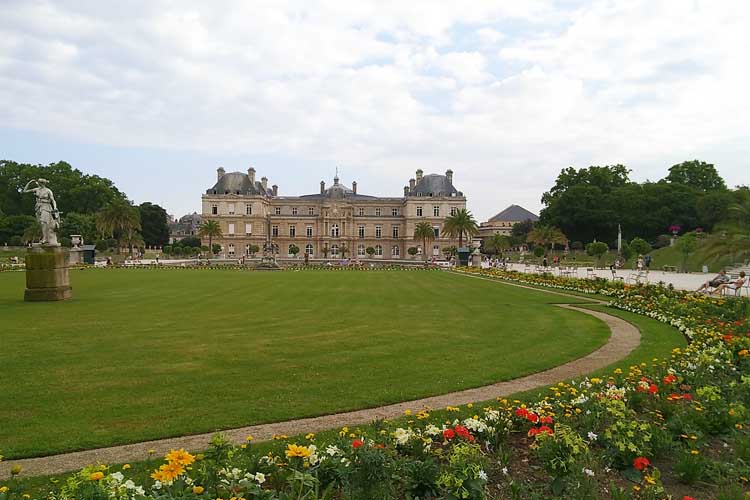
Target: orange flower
[180, 457]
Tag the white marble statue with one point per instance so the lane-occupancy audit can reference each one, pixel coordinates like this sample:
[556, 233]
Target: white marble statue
[46, 211]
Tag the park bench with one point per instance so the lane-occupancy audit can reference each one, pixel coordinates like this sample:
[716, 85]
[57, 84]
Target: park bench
[668, 269]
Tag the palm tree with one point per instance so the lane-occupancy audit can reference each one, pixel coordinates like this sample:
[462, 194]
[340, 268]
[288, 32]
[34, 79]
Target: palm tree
[119, 218]
[547, 235]
[496, 243]
[210, 229]
[425, 232]
[460, 224]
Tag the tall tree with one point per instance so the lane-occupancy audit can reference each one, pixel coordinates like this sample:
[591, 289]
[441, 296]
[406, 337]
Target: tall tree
[154, 227]
[120, 220]
[210, 229]
[697, 174]
[425, 232]
[547, 235]
[460, 224]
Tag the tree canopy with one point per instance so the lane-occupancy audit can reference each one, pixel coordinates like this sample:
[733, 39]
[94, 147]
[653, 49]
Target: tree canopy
[154, 227]
[696, 174]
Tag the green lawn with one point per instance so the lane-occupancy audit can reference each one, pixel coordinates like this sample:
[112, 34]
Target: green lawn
[145, 354]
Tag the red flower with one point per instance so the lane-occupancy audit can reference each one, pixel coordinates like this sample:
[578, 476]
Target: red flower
[687, 397]
[448, 434]
[357, 443]
[462, 432]
[687, 497]
[653, 389]
[727, 338]
[532, 417]
[670, 379]
[546, 420]
[522, 412]
[641, 463]
[541, 430]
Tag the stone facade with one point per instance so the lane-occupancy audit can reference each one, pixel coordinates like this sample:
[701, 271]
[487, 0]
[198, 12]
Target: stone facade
[503, 222]
[335, 218]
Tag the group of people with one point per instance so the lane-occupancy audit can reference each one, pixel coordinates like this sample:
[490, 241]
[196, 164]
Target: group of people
[722, 282]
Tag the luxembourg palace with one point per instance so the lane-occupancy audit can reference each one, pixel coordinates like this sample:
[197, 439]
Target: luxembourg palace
[337, 220]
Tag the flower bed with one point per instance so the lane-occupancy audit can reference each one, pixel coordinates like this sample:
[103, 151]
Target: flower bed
[672, 428]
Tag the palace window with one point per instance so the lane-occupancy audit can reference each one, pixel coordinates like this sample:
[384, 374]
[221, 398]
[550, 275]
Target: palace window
[310, 211]
[395, 251]
[361, 231]
[292, 231]
[277, 210]
[231, 229]
[231, 249]
[230, 209]
[360, 250]
[437, 231]
[334, 250]
[378, 250]
[436, 251]
[377, 212]
[454, 210]
[248, 209]
[419, 211]
[394, 212]
[294, 210]
[335, 231]
[214, 209]
[275, 231]
[378, 231]
[394, 231]
[436, 211]
[308, 231]
[248, 228]
[361, 211]
[309, 249]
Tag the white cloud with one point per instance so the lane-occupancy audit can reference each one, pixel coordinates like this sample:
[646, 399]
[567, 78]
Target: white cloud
[505, 93]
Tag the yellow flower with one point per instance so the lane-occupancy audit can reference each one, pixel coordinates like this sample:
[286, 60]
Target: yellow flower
[407, 412]
[168, 472]
[16, 470]
[158, 475]
[694, 452]
[126, 467]
[180, 457]
[293, 450]
[743, 353]
[198, 490]
[3, 489]
[249, 438]
[26, 496]
[649, 480]
[310, 436]
[96, 476]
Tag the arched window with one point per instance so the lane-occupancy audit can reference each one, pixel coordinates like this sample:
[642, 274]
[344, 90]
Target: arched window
[334, 250]
[395, 251]
[335, 231]
[360, 250]
[378, 250]
[309, 249]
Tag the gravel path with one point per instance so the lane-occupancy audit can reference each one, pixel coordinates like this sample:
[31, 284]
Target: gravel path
[625, 337]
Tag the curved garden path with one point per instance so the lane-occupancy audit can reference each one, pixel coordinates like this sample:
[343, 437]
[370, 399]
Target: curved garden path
[624, 338]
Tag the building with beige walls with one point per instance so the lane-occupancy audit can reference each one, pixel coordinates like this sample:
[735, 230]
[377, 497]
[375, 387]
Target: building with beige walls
[503, 222]
[336, 221]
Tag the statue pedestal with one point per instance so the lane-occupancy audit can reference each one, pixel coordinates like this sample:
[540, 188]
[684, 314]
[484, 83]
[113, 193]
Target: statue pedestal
[268, 263]
[47, 275]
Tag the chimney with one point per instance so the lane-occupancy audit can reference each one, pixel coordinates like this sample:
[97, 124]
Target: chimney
[412, 184]
[406, 190]
[275, 190]
[322, 187]
[419, 175]
[220, 173]
[251, 174]
[354, 186]
[449, 175]
[264, 183]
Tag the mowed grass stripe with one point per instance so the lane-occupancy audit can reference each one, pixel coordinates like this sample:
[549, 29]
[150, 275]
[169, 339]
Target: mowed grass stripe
[146, 354]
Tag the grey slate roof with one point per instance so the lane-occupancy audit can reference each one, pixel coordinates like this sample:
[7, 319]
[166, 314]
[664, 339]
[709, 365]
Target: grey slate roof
[514, 213]
[337, 192]
[434, 185]
[236, 183]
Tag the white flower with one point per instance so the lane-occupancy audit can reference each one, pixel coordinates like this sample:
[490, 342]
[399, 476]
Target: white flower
[260, 477]
[592, 436]
[129, 484]
[117, 476]
[482, 475]
[432, 430]
[140, 491]
[333, 450]
[402, 436]
[157, 485]
[588, 472]
[505, 471]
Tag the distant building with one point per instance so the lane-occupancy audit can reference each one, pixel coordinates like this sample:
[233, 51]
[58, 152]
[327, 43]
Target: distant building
[336, 221]
[503, 222]
[185, 227]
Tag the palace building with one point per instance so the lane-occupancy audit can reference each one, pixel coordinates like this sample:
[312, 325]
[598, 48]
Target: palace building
[336, 222]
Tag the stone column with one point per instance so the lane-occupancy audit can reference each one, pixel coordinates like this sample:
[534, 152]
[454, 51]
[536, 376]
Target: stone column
[47, 276]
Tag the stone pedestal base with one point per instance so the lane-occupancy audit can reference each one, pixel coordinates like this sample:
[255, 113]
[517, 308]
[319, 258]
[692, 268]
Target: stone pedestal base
[47, 275]
[268, 263]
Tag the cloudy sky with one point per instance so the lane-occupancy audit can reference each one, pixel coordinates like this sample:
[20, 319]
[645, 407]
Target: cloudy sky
[157, 94]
